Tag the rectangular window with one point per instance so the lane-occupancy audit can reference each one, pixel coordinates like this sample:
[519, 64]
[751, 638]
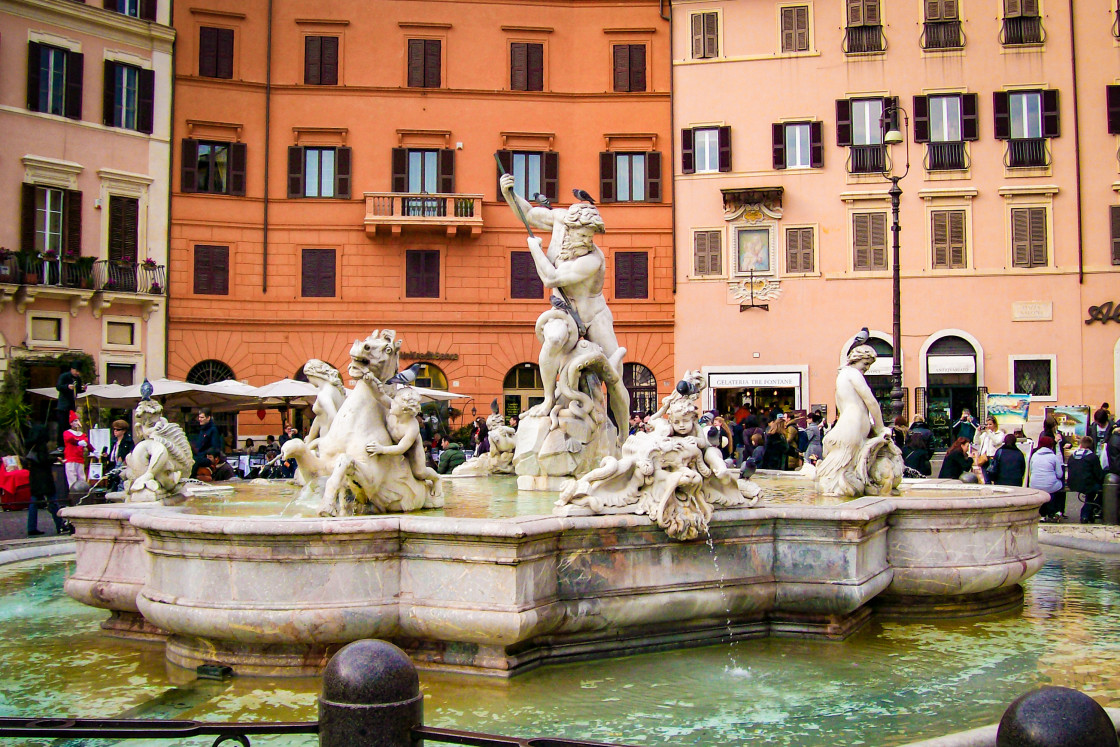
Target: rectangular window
[798, 145]
[46, 329]
[129, 97]
[1026, 119]
[524, 282]
[942, 28]
[318, 275]
[320, 60]
[864, 31]
[215, 52]
[629, 67]
[944, 119]
[705, 35]
[124, 229]
[867, 127]
[49, 219]
[123, 374]
[1033, 376]
[211, 270]
[945, 123]
[1114, 228]
[143, 9]
[424, 171]
[421, 273]
[120, 333]
[630, 177]
[799, 250]
[424, 60]
[54, 80]
[707, 150]
[213, 167]
[526, 66]
[1028, 237]
[707, 253]
[534, 172]
[318, 172]
[869, 241]
[947, 233]
[1022, 23]
[631, 275]
[795, 28]
[1026, 115]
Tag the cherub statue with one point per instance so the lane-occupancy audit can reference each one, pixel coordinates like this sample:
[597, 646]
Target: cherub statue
[331, 396]
[161, 458]
[400, 420]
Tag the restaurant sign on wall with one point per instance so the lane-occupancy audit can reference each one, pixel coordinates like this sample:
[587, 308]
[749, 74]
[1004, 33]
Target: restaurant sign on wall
[1105, 313]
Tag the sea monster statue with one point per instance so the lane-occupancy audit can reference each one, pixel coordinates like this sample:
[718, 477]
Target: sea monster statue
[499, 460]
[157, 467]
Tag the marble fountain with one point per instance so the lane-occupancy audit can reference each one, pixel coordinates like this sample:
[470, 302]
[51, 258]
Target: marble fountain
[654, 543]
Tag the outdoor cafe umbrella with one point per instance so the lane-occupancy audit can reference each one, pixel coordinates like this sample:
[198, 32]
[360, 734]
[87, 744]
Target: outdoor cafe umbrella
[170, 392]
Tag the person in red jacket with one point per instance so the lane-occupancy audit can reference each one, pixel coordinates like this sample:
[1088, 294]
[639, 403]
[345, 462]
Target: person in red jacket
[74, 447]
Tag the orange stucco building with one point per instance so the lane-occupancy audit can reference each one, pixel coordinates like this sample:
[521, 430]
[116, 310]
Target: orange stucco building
[334, 172]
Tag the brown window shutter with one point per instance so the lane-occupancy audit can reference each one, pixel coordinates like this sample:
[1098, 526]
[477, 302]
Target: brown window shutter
[318, 273]
[148, 10]
[807, 259]
[534, 64]
[855, 13]
[1001, 113]
[219, 270]
[688, 151]
[621, 67]
[295, 171]
[225, 54]
[789, 29]
[1012, 8]
[801, 28]
[970, 120]
[793, 250]
[1030, 7]
[921, 119]
[73, 239]
[725, 148]
[933, 10]
[711, 35]
[208, 52]
[74, 64]
[312, 60]
[399, 179]
[1051, 121]
[34, 60]
[109, 95]
[524, 280]
[188, 166]
[505, 159]
[623, 285]
[940, 232]
[697, 36]
[816, 145]
[518, 66]
[654, 192]
[421, 273]
[203, 283]
[116, 228]
[607, 166]
[432, 54]
[131, 230]
[861, 241]
[843, 122]
[447, 171]
[1114, 225]
[415, 63]
[1112, 96]
[550, 182]
[146, 103]
[342, 168]
[956, 239]
[1020, 237]
[778, 145]
[878, 241]
[329, 70]
[237, 157]
[700, 253]
[871, 14]
[637, 67]
[950, 10]
[631, 275]
[27, 218]
[1038, 251]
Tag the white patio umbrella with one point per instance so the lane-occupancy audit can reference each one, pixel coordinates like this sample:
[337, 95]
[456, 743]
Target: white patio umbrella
[287, 391]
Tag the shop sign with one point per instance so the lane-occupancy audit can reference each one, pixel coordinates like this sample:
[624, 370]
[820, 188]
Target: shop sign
[881, 367]
[726, 381]
[951, 364]
[1105, 313]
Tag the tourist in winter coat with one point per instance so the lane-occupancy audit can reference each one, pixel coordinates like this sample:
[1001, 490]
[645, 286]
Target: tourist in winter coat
[758, 450]
[957, 462]
[1087, 477]
[919, 428]
[916, 455]
[1046, 475]
[74, 446]
[38, 463]
[450, 458]
[777, 447]
[1008, 465]
[814, 448]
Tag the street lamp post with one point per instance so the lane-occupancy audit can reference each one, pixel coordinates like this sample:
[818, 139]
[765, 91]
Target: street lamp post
[894, 135]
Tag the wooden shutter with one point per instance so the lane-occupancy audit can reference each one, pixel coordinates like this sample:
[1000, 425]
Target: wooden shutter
[855, 13]
[505, 159]
[697, 36]
[421, 273]
[956, 239]
[399, 179]
[816, 145]
[109, 95]
[329, 61]
[188, 166]
[148, 10]
[799, 250]
[225, 54]
[1037, 219]
[415, 63]
[534, 64]
[1001, 108]
[342, 168]
[318, 273]
[116, 228]
[631, 275]
[970, 119]
[801, 27]
[861, 241]
[1012, 8]
[34, 60]
[878, 241]
[432, 55]
[711, 35]
[447, 171]
[237, 157]
[940, 238]
[146, 102]
[1112, 97]
[550, 179]
[295, 172]
[871, 14]
[1051, 121]
[524, 282]
[688, 151]
[1030, 7]
[843, 122]
[208, 52]
[74, 65]
[203, 281]
[27, 218]
[653, 176]
[1114, 226]
[607, 168]
[725, 148]
[518, 66]
[933, 10]
[789, 30]
[313, 60]
[211, 270]
[1020, 237]
[778, 144]
[72, 240]
[621, 53]
[130, 229]
[637, 67]
[921, 119]
[700, 264]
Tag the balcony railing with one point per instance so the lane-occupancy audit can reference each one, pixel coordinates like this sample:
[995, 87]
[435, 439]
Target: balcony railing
[84, 274]
[129, 277]
[396, 211]
[1027, 152]
[863, 39]
[867, 159]
[1022, 30]
[946, 156]
[942, 35]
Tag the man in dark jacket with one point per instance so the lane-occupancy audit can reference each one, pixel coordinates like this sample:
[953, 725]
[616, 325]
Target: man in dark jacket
[38, 463]
[1086, 476]
[208, 439]
[1008, 465]
[69, 387]
[920, 429]
[450, 458]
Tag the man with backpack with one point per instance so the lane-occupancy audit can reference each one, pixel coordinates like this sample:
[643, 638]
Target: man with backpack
[1086, 476]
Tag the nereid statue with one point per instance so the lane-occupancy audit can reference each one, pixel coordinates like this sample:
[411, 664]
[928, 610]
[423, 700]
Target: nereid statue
[158, 466]
[860, 457]
[673, 473]
[499, 460]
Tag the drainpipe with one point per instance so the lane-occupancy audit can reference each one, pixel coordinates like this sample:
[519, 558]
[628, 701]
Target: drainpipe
[672, 137]
[661, 12]
[170, 159]
[267, 151]
[1076, 149]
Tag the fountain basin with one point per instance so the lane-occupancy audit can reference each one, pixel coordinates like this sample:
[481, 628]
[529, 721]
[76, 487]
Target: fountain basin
[275, 596]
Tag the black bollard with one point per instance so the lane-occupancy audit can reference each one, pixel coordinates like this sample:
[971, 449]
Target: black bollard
[371, 696]
[1111, 499]
[1055, 717]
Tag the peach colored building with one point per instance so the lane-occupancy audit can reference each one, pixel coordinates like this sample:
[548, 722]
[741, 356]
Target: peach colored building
[344, 179]
[85, 113]
[783, 223]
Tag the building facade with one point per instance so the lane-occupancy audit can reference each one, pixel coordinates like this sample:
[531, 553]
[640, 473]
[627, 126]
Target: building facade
[85, 103]
[341, 178]
[784, 218]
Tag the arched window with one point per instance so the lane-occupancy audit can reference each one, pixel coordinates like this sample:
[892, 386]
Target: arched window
[642, 385]
[521, 389]
[430, 376]
[208, 372]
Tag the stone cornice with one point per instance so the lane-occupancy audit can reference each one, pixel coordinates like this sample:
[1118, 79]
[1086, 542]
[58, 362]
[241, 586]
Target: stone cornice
[95, 21]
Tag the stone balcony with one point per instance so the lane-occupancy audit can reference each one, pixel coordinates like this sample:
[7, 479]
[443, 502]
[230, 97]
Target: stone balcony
[81, 282]
[393, 212]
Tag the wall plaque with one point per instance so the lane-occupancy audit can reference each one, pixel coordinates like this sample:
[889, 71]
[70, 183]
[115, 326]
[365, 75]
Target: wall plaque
[1032, 311]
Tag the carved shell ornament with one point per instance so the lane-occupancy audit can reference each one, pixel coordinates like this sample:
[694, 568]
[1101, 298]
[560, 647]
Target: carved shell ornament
[760, 289]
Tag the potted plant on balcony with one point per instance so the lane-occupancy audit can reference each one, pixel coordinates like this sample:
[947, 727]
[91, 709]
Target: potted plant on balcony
[29, 263]
[110, 284]
[149, 264]
[84, 266]
[155, 288]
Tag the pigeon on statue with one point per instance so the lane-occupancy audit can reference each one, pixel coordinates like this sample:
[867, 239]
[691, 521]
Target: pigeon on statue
[862, 337]
[146, 390]
[494, 407]
[582, 196]
[686, 388]
[542, 200]
[406, 376]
